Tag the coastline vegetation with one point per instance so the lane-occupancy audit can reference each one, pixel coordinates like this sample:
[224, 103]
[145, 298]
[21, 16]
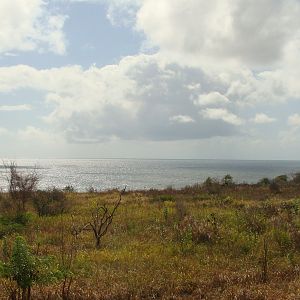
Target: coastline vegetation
[214, 240]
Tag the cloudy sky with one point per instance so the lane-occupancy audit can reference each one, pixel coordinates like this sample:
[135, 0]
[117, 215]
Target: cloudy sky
[150, 79]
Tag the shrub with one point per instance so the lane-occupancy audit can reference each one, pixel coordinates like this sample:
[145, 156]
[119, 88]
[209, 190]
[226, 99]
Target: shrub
[281, 179]
[12, 224]
[91, 190]
[181, 211]
[51, 202]
[296, 178]
[69, 189]
[253, 221]
[212, 186]
[25, 269]
[264, 181]
[228, 180]
[163, 198]
[21, 186]
[283, 240]
[274, 187]
[199, 232]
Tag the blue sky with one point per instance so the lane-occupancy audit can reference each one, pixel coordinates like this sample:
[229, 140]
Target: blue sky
[150, 79]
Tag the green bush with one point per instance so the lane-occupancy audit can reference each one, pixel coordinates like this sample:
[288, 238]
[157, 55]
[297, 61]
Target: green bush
[296, 178]
[163, 198]
[51, 202]
[283, 240]
[212, 186]
[264, 182]
[13, 224]
[25, 269]
[228, 180]
[253, 221]
[274, 187]
[281, 180]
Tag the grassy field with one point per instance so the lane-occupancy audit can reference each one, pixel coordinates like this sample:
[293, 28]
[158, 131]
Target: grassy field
[210, 241]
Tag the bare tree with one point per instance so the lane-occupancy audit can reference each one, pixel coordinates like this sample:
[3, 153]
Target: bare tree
[101, 219]
[20, 185]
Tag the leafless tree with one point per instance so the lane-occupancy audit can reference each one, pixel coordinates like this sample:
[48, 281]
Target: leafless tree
[101, 219]
[20, 185]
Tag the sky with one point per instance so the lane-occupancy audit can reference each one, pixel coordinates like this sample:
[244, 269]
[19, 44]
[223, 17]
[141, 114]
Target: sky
[189, 79]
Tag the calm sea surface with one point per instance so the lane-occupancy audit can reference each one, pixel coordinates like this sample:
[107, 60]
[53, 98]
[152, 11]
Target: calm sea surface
[105, 174]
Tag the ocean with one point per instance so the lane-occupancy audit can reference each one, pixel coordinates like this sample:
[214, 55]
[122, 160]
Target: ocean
[103, 174]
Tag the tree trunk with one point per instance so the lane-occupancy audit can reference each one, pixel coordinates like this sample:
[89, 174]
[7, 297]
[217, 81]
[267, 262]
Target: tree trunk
[29, 293]
[98, 245]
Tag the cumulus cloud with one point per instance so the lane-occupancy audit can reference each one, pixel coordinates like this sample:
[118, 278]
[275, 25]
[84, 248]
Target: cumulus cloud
[182, 119]
[213, 98]
[262, 118]
[3, 131]
[294, 120]
[20, 107]
[27, 25]
[35, 134]
[141, 98]
[221, 114]
[251, 32]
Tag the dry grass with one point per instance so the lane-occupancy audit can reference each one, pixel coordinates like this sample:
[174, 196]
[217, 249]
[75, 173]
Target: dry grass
[186, 244]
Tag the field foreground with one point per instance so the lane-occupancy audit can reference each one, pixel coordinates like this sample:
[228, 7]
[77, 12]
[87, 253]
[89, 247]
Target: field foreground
[230, 242]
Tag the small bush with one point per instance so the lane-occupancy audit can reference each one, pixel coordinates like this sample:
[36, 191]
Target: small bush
[264, 182]
[163, 198]
[91, 190]
[274, 187]
[281, 179]
[296, 178]
[254, 222]
[25, 269]
[69, 189]
[212, 186]
[51, 202]
[181, 211]
[10, 224]
[283, 240]
[199, 232]
[228, 180]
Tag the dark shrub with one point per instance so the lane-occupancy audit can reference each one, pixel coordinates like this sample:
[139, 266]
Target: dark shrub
[10, 224]
[21, 186]
[254, 222]
[264, 181]
[296, 178]
[69, 189]
[204, 231]
[228, 180]
[212, 186]
[281, 179]
[91, 190]
[163, 198]
[181, 210]
[51, 202]
[274, 187]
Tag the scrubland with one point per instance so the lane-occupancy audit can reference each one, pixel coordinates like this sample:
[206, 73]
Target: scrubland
[216, 240]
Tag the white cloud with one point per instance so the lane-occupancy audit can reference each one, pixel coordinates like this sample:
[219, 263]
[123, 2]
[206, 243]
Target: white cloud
[3, 131]
[213, 98]
[21, 107]
[252, 32]
[135, 99]
[27, 25]
[294, 120]
[34, 134]
[221, 114]
[262, 118]
[182, 119]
